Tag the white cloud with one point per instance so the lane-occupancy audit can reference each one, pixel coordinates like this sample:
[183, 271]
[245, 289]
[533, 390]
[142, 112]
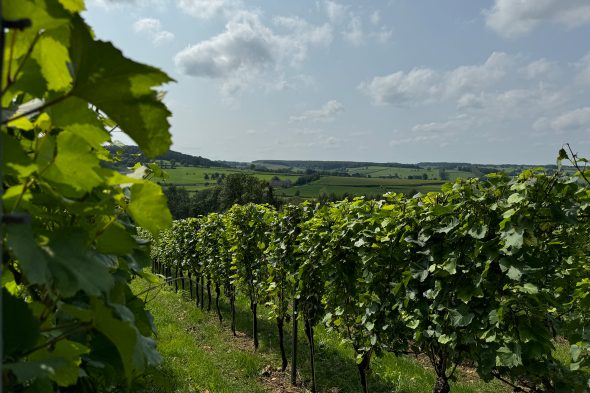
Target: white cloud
[247, 48]
[152, 28]
[206, 9]
[354, 33]
[401, 88]
[163, 37]
[147, 25]
[304, 34]
[575, 120]
[475, 77]
[336, 12]
[375, 18]
[325, 114]
[115, 4]
[583, 67]
[513, 18]
[470, 101]
[383, 35]
[457, 123]
[538, 69]
[424, 85]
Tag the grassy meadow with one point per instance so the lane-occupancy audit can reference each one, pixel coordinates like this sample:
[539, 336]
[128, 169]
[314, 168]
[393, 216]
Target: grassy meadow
[193, 179]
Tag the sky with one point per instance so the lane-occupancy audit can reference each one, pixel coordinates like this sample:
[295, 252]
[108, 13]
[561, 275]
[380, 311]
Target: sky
[481, 81]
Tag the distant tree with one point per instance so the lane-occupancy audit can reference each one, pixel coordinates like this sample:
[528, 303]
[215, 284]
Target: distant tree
[425, 176]
[178, 201]
[205, 202]
[206, 176]
[442, 174]
[243, 188]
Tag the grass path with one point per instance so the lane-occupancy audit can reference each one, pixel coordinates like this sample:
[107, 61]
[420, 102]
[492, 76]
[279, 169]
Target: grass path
[202, 356]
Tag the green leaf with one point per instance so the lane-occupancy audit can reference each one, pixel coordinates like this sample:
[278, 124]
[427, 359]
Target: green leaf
[514, 273]
[508, 358]
[148, 197]
[515, 198]
[562, 155]
[513, 239]
[75, 268]
[575, 352]
[461, 317]
[529, 288]
[73, 5]
[450, 267]
[478, 232]
[75, 165]
[53, 58]
[136, 353]
[20, 329]
[445, 338]
[121, 88]
[62, 360]
[115, 240]
[32, 260]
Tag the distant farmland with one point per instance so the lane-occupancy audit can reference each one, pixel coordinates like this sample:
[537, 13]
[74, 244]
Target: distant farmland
[194, 179]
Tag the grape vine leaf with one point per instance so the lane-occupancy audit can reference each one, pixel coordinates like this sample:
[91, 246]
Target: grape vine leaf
[122, 89]
[21, 330]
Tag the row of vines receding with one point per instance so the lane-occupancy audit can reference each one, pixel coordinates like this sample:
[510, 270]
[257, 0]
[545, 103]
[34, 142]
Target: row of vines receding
[491, 273]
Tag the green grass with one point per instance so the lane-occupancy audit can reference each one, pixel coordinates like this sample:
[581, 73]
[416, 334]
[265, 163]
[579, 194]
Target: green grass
[383, 171]
[200, 355]
[360, 186]
[193, 178]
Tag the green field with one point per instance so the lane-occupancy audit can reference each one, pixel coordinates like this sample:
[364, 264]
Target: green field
[383, 171]
[193, 179]
[340, 185]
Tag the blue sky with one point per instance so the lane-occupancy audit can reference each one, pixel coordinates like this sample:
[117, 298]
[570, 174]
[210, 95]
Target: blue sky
[496, 81]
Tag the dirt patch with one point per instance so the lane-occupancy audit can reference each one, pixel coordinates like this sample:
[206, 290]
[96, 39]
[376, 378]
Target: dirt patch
[277, 381]
[243, 341]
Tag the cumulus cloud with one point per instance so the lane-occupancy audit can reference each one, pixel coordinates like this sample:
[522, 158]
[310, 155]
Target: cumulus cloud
[354, 33]
[206, 9]
[348, 21]
[402, 88]
[247, 48]
[511, 18]
[152, 28]
[304, 34]
[375, 18]
[583, 67]
[336, 12]
[574, 120]
[425, 85]
[326, 113]
[538, 69]
[114, 4]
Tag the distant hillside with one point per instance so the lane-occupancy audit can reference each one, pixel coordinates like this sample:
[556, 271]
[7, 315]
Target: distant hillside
[130, 155]
[331, 165]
